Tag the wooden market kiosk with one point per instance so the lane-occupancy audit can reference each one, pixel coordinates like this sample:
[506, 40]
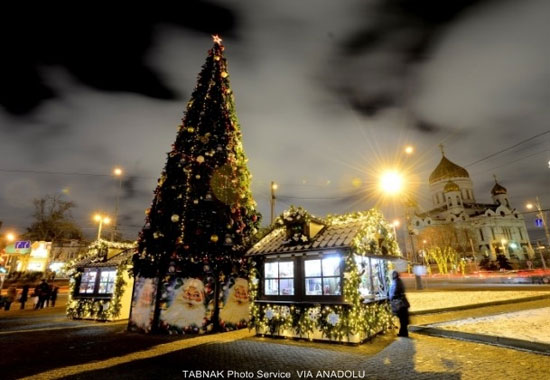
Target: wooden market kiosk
[323, 279]
[100, 285]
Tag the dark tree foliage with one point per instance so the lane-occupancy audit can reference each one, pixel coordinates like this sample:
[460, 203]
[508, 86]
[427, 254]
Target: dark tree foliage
[203, 215]
[503, 262]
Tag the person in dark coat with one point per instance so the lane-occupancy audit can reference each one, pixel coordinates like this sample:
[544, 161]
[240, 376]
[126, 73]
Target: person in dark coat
[53, 295]
[24, 296]
[43, 294]
[12, 294]
[399, 304]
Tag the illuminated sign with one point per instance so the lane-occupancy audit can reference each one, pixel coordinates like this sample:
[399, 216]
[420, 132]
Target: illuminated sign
[19, 248]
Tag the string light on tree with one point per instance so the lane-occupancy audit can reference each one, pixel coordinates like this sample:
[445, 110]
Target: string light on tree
[203, 195]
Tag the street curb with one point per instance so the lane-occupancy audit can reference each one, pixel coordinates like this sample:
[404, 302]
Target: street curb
[540, 348]
[478, 305]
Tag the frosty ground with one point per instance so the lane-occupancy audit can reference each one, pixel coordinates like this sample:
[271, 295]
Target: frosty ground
[529, 325]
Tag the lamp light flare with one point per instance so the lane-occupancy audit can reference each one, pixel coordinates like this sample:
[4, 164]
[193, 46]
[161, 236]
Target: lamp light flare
[391, 182]
[396, 223]
[274, 186]
[529, 206]
[117, 171]
[10, 236]
[409, 149]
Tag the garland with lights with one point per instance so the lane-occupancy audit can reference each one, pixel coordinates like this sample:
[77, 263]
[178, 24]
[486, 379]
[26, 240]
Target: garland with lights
[296, 221]
[101, 309]
[375, 238]
[202, 212]
[336, 322]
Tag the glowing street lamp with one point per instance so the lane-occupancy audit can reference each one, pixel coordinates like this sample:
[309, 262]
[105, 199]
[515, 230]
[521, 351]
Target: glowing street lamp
[117, 172]
[395, 224]
[273, 187]
[10, 237]
[101, 219]
[409, 149]
[391, 182]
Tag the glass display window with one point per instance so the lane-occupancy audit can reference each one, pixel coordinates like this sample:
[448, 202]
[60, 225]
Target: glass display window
[372, 281]
[87, 281]
[97, 281]
[322, 276]
[279, 278]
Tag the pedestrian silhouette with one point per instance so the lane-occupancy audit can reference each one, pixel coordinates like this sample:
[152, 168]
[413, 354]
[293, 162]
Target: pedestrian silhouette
[399, 304]
[24, 296]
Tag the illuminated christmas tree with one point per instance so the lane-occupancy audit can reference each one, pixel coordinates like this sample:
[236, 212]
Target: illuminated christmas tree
[203, 215]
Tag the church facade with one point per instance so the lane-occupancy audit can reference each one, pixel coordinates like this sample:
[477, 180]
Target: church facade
[478, 229]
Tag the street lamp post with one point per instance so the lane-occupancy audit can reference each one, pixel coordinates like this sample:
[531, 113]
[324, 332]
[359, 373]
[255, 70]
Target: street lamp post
[9, 238]
[117, 172]
[274, 187]
[101, 219]
[542, 217]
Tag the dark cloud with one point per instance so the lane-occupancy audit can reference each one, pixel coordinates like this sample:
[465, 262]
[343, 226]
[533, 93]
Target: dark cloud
[395, 35]
[103, 47]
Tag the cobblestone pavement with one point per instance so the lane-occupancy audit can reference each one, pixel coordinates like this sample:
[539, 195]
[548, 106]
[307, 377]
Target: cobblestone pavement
[387, 357]
[421, 357]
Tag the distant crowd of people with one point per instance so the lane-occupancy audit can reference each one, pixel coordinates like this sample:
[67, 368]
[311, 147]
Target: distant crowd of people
[43, 294]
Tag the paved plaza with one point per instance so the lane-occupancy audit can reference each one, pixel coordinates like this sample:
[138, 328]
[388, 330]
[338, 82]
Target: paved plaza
[87, 350]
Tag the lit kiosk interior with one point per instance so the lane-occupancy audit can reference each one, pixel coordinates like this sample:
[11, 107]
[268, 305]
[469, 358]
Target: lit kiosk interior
[323, 279]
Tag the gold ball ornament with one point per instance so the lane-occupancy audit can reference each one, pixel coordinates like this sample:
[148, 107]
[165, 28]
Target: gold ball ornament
[200, 159]
[224, 74]
[190, 129]
[175, 218]
[214, 238]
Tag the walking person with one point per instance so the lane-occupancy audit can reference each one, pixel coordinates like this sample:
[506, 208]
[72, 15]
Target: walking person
[43, 292]
[12, 293]
[399, 304]
[24, 296]
[53, 295]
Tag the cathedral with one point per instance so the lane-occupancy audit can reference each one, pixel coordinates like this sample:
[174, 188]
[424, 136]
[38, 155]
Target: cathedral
[477, 229]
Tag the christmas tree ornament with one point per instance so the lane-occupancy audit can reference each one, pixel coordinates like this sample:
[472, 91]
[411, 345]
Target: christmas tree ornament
[214, 238]
[200, 159]
[175, 218]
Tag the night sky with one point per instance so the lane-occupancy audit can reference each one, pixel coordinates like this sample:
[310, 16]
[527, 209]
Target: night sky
[327, 92]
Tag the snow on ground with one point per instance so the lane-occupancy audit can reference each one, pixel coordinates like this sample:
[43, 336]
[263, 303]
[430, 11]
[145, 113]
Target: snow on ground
[530, 325]
[429, 300]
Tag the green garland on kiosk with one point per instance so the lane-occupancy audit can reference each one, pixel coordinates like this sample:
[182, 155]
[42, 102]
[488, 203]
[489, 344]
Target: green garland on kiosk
[97, 308]
[335, 322]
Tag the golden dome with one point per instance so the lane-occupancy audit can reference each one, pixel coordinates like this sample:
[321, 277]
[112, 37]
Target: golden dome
[447, 170]
[498, 189]
[451, 186]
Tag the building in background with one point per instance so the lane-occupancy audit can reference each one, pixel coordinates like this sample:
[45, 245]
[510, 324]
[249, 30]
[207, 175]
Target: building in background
[42, 256]
[472, 228]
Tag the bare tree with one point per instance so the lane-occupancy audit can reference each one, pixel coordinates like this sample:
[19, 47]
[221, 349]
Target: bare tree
[53, 220]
